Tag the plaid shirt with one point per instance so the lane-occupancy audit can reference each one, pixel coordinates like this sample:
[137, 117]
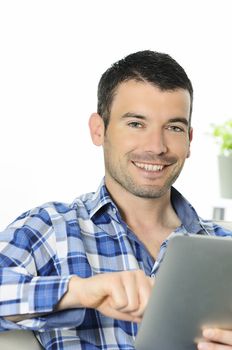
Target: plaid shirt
[44, 247]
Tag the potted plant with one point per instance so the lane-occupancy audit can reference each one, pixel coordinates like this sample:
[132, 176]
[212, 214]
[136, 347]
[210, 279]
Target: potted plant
[223, 136]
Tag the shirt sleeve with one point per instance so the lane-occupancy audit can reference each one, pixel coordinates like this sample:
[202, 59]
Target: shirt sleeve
[58, 320]
[23, 294]
[29, 280]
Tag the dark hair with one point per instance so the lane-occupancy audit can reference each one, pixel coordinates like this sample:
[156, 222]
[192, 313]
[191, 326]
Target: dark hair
[156, 68]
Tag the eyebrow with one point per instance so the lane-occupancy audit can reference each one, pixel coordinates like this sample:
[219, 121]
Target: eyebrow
[133, 115]
[142, 117]
[179, 120]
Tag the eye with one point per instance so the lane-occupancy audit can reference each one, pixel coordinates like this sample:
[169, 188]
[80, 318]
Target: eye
[136, 125]
[175, 128]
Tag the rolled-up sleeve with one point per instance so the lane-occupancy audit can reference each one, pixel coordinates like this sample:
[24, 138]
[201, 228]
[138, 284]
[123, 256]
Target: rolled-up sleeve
[30, 281]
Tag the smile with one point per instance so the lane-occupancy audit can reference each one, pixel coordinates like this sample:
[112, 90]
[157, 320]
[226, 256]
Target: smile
[149, 167]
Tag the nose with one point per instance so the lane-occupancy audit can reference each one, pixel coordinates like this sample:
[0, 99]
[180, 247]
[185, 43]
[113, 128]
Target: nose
[155, 142]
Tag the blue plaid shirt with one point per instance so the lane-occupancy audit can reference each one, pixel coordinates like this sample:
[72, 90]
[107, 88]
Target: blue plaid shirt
[44, 247]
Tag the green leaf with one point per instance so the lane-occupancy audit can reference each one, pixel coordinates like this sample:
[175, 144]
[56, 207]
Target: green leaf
[223, 136]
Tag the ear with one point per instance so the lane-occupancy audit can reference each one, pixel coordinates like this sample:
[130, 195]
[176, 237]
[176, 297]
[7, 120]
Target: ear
[190, 140]
[97, 129]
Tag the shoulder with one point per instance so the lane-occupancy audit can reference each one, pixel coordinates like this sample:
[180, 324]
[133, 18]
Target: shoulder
[50, 215]
[217, 228]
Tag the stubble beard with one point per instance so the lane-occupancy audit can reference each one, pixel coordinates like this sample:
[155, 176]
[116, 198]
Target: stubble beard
[122, 178]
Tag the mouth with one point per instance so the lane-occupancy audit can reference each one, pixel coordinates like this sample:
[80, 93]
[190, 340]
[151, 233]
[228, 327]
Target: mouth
[149, 167]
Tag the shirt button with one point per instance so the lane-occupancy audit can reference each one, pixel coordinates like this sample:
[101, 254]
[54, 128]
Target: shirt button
[152, 275]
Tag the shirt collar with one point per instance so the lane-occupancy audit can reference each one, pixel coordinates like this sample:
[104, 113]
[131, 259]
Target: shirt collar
[185, 211]
[100, 199]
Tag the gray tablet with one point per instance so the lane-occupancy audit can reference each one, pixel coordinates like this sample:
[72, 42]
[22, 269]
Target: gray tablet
[193, 289]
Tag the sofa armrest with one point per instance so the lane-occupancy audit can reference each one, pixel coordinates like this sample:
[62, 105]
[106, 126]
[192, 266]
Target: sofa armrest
[20, 340]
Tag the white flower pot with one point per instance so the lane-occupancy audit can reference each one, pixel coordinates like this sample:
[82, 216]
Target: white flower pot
[225, 175]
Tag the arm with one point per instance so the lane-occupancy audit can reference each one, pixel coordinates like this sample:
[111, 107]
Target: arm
[120, 295]
[33, 300]
[44, 297]
[30, 283]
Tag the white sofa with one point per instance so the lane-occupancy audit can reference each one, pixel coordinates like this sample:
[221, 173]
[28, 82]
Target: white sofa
[19, 340]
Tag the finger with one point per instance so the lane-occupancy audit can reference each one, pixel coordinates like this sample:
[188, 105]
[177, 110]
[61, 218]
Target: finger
[121, 295]
[138, 288]
[144, 293]
[218, 335]
[124, 316]
[145, 288]
[107, 310]
[119, 299]
[131, 288]
[212, 346]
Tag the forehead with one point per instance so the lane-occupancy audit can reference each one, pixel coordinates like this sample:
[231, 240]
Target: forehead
[143, 97]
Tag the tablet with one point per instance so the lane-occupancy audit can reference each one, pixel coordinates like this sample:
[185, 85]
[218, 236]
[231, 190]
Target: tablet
[193, 289]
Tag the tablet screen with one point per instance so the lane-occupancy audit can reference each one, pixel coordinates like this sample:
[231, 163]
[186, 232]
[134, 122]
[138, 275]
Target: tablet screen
[193, 289]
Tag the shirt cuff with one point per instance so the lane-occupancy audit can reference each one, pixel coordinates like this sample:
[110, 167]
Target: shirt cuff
[45, 293]
[65, 319]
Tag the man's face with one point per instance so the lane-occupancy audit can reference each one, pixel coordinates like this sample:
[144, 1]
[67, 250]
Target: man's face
[147, 139]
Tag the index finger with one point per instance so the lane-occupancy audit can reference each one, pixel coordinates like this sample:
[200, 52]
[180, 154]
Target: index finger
[145, 288]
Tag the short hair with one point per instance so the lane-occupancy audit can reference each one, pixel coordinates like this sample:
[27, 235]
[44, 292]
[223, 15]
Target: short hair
[157, 68]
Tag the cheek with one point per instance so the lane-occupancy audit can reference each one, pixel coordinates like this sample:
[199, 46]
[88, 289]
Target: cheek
[186, 152]
[122, 143]
[181, 149]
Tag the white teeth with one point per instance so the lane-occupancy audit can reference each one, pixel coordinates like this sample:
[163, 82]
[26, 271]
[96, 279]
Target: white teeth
[149, 167]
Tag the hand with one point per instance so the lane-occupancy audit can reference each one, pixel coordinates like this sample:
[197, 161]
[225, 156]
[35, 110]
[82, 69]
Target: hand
[216, 339]
[120, 295]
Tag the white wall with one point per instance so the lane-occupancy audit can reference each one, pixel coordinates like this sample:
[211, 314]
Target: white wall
[52, 55]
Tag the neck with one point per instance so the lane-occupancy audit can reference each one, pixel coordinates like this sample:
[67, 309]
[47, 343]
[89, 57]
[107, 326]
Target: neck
[143, 212]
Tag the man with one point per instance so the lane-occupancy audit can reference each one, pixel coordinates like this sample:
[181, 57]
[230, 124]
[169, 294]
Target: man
[80, 275]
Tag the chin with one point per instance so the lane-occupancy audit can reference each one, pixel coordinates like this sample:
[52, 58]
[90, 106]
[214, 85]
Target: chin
[149, 192]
